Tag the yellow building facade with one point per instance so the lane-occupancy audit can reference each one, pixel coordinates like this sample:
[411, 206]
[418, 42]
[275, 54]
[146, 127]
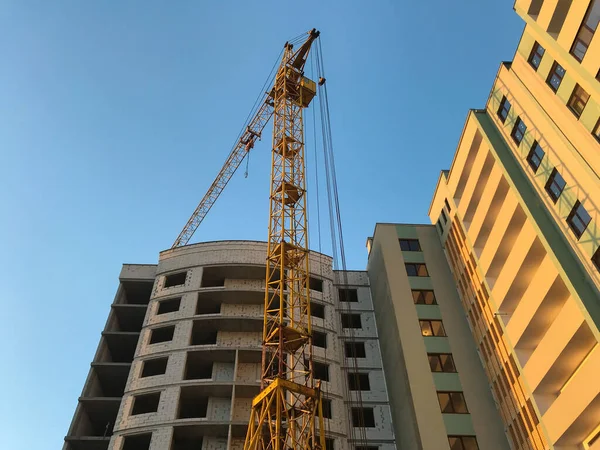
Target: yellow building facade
[518, 215]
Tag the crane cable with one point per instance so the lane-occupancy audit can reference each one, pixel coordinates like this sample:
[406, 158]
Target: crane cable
[337, 239]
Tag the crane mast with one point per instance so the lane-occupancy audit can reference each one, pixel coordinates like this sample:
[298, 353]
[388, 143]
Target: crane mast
[286, 412]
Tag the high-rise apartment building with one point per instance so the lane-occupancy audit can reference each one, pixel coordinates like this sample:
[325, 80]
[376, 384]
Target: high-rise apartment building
[178, 363]
[518, 217]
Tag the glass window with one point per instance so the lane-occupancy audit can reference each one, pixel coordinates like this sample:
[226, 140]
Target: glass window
[424, 297]
[535, 57]
[441, 362]
[463, 443]
[416, 270]
[410, 245]
[535, 156]
[596, 258]
[443, 214]
[503, 109]
[586, 31]
[432, 328]
[596, 131]
[452, 402]
[518, 131]
[555, 77]
[555, 185]
[578, 219]
[447, 204]
[578, 100]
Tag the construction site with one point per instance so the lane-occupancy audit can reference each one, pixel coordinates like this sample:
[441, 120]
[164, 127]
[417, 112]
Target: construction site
[479, 330]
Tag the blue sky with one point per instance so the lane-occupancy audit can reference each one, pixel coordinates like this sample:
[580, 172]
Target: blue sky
[115, 117]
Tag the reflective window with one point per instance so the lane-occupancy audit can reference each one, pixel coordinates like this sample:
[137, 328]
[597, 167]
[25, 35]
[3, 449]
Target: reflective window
[578, 219]
[424, 297]
[555, 185]
[596, 131]
[578, 100]
[518, 131]
[416, 270]
[503, 109]
[441, 362]
[535, 57]
[586, 31]
[432, 328]
[410, 245]
[555, 77]
[535, 156]
[463, 443]
[452, 402]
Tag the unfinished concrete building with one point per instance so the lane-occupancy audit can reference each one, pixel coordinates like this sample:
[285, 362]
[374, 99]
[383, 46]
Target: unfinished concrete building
[179, 359]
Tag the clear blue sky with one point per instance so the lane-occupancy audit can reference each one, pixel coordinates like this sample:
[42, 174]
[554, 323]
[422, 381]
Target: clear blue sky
[115, 116]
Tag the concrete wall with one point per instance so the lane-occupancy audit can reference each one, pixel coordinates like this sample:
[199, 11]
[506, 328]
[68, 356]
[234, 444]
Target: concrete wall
[417, 418]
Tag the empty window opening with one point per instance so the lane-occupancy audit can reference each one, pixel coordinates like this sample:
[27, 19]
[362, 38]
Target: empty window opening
[319, 339]
[197, 368]
[596, 130]
[358, 381]
[153, 367]
[441, 362]
[175, 279]
[202, 336]
[596, 258]
[329, 444]
[315, 284]
[321, 371]
[535, 156]
[351, 321]
[416, 270]
[355, 350]
[183, 441]
[409, 245]
[317, 310]
[578, 219]
[146, 403]
[326, 408]
[366, 447]
[169, 305]
[135, 292]
[192, 403]
[452, 402]
[555, 185]
[432, 328]
[443, 216]
[424, 297]
[162, 334]
[206, 305]
[463, 443]
[535, 57]
[447, 205]
[558, 18]
[348, 295]
[137, 442]
[363, 417]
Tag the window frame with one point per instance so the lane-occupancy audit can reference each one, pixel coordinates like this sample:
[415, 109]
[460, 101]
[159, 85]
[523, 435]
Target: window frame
[583, 28]
[551, 181]
[575, 100]
[410, 243]
[502, 108]
[421, 296]
[517, 134]
[532, 152]
[430, 322]
[461, 437]
[417, 267]
[534, 52]
[596, 259]
[452, 402]
[553, 72]
[575, 213]
[596, 130]
[439, 356]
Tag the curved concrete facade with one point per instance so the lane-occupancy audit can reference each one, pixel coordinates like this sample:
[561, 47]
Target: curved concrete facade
[196, 366]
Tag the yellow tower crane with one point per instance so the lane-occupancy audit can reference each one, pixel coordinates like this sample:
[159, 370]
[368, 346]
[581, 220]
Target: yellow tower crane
[286, 412]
